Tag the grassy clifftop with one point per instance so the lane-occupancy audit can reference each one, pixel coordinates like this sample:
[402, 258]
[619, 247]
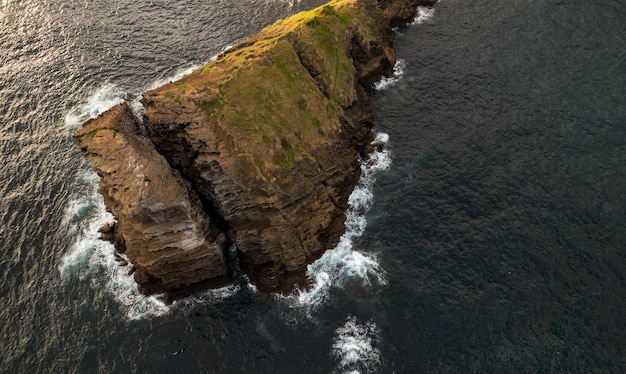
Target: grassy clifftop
[282, 92]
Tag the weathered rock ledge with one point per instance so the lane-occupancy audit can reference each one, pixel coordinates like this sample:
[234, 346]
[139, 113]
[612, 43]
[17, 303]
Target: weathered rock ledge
[259, 148]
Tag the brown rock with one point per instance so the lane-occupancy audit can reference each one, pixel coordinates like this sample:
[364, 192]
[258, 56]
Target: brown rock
[281, 185]
[401, 12]
[166, 234]
[268, 136]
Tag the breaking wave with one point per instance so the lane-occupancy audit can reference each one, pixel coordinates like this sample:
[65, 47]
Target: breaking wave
[424, 14]
[354, 346]
[90, 257]
[398, 72]
[177, 76]
[344, 263]
[106, 97]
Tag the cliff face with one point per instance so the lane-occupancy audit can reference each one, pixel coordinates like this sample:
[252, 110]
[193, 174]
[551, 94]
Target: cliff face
[160, 222]
[260, 146]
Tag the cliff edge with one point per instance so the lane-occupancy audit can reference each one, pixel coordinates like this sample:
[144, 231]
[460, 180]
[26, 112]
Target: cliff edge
[259, 149]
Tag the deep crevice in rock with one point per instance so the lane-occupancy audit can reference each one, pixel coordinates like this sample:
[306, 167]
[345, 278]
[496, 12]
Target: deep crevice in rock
[181, 157]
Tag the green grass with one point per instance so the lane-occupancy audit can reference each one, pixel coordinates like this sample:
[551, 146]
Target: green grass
[92, 133]
[266, 102]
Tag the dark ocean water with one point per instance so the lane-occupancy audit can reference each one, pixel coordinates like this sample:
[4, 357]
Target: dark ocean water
[495, 240]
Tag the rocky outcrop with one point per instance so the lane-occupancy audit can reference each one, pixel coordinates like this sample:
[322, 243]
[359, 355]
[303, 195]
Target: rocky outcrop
[261, 147]
[401, 12]
[160, 221]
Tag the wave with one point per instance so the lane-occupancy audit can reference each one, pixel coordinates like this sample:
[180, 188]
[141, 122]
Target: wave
[179, 74]
[109, 95]
[104, 98]
[354, 346]
[424, 14]
[93, 258]
[398, 72]
[344, 264]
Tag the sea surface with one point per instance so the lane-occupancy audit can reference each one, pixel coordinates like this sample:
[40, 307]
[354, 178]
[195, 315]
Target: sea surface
[488, 235]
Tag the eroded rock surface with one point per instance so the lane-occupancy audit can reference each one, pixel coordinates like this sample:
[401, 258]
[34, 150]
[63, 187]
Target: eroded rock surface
[261, 147]
[161, 225]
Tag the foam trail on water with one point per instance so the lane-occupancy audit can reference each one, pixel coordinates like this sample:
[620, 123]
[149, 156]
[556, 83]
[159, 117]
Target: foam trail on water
[344, 263]
[225, 49]
[398, 72]
[354, 346]
[424, 14]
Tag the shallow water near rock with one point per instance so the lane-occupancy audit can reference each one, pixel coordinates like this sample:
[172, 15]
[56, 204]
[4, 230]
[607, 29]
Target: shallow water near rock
[496, 234]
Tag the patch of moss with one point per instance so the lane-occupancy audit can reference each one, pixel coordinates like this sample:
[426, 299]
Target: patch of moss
[211, 108]
[169, 95]
[92, 133]
[259, 164]
[285, 158]
[180, 86]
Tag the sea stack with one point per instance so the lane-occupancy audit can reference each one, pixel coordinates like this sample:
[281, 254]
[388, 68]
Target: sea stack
[259, 149]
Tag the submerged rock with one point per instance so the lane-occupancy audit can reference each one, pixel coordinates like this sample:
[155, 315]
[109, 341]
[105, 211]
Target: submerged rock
[260, 148]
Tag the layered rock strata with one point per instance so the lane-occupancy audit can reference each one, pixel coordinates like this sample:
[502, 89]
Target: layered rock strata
[161, 225]
[261, 147]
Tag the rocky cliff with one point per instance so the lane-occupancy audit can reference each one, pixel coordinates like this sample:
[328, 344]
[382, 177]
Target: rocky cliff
[259, 149]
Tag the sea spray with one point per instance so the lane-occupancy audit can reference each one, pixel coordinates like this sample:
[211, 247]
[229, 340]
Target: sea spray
[91, 258]
[178, 75]
[101, 100]
[344, 263]
[354, 347]
[424, 14]
[398, 72]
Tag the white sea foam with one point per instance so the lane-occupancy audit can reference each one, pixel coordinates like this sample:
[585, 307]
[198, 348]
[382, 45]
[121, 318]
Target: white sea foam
[91, 258]
[344, 263]
[138, 110]
[424, 14]
[398, 72]
[101, 100]
[214, 57]
[179, 74]
[206, 297]
[354, 346]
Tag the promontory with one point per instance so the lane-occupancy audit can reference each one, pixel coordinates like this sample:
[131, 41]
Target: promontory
[254, 153]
